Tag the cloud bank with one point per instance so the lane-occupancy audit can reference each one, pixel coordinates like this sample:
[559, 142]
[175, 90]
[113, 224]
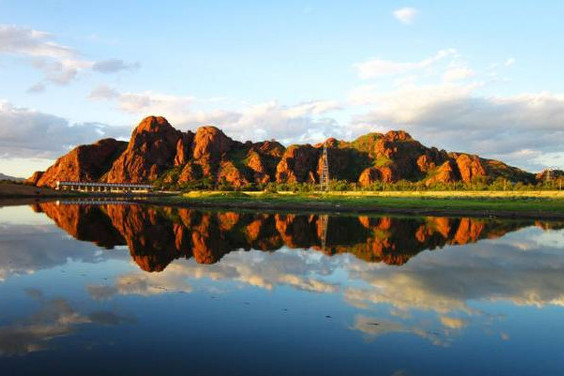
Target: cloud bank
[59, 64]
[301, 122]
[441, 101]
[26, 133]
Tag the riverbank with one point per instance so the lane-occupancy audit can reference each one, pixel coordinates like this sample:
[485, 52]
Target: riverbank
[504, 204]
[532, 205]
[22, 194]
[20, 190]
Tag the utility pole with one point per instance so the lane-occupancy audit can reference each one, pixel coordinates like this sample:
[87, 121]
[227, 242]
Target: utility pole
[324, 178]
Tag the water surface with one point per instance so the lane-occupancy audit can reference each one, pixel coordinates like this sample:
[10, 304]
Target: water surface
[127, 289]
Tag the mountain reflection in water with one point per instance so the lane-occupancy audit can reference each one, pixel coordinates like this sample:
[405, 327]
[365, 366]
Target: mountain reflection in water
[156, 236]
[276, 293]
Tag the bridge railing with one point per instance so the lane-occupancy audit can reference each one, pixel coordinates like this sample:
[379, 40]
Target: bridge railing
[102, 187]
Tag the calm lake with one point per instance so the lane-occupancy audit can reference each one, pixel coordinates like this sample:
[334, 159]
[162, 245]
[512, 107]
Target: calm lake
[134, 290]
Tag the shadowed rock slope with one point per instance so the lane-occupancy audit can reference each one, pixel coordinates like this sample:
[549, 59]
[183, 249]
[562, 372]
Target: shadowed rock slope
[157, 150]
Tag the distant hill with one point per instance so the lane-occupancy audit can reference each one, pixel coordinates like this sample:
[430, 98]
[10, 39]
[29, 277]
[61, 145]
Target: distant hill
[8, 177]
[157, 151]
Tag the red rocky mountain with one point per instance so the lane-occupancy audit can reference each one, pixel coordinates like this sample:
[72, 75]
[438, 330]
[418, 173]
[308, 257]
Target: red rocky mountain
[157, 150]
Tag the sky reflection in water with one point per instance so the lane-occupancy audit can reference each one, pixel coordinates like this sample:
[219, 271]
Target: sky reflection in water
[121, 288]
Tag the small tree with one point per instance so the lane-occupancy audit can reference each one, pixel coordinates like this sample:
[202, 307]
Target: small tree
[271, 188]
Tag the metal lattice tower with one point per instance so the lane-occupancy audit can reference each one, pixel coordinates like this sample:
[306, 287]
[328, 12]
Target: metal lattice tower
[554, 174]
[324, 178]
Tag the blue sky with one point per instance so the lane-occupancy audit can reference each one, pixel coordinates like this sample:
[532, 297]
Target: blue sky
[480, 76]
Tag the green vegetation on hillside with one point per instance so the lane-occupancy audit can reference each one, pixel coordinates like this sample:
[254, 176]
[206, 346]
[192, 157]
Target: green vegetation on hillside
[478, 184]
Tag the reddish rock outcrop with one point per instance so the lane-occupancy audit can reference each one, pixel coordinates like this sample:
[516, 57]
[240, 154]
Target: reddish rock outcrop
[34, 178]
[158, 151]
[470, 167]
[229, 173]
[259, 167]
[210, 143]
[298, 164]
[151, 151]
[446, 173]
[191, 171]
[269, 148]
[83, 163]
[369, 176]
[184, 149]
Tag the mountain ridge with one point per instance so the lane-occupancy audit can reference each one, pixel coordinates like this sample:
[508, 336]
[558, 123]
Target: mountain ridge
[157, 151]
[8, 177]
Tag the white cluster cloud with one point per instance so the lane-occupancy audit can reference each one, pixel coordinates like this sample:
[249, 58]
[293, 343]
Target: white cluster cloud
[55, 318]
[24, 41]
[258, 269]
[60, 64]
[373, 327]
[439, 100]
[513, 128]
[458, 73]
[445, 283]
[380, 67]
[29, 133]
[417, 285]
[113, 65]
[174, 107]
[405, 15]
[303, 122]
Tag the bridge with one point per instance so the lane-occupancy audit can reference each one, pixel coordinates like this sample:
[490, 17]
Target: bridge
[95, 201]
[103, 187]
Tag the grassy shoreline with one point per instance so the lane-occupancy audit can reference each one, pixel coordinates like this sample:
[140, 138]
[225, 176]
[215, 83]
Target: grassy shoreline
[536, 205]
[508, 204]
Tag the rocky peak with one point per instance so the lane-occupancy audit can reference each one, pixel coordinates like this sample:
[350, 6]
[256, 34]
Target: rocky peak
[398, 136]
[157, 150]
[152, 124]
[153, 129]
[271, 148]
[151, 150]
[210, 142]
[83, 163]
[330, 143]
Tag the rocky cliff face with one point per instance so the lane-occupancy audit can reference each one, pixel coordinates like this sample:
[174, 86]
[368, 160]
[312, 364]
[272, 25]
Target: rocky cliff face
[156, 151]
[150, 152]
[83, 163]
[298, 164]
